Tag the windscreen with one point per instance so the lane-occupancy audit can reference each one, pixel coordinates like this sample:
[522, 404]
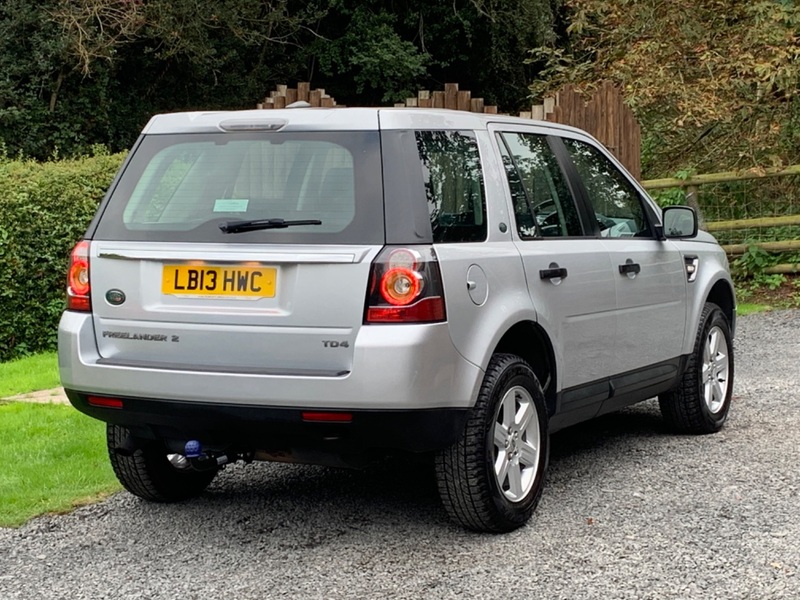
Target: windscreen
[183, 187]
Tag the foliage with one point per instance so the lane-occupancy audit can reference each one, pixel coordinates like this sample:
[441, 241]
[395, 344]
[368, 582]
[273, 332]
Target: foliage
[754, 261]
[785, 295]
[79, 72]
[29, 47]
[508, 30]
[372, 52]
[44, 209]
[54, 459]
[705, 101]
[29, 374]
[673, 196]
[750, 269]
[376, 54]
[669, 197]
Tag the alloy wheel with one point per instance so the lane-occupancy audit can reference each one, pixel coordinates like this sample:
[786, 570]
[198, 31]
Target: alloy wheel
[716, 367]
[517, 444]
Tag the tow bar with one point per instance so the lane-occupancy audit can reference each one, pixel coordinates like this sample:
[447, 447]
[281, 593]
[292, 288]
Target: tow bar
[194, 457]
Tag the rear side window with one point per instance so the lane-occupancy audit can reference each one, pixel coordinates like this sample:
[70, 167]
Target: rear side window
[182, 187]
[453, 182]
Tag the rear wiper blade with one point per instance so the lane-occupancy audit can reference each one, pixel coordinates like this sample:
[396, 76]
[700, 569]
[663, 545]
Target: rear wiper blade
[258, 224]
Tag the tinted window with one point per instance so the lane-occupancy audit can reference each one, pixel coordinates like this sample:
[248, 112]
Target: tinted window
[453, 181]
[543, 204]
[182, 187]
[616, 202]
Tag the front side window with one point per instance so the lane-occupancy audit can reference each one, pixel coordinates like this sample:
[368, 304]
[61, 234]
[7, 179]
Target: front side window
[616, 202]
[543, 204]
[453, 182]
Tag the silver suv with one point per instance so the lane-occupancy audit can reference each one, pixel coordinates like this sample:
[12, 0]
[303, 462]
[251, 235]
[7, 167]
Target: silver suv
[333, 285]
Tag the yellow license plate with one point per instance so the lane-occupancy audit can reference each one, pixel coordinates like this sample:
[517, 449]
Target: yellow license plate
[232, 281]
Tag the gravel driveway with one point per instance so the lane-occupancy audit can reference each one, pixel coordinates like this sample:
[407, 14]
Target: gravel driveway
[630, 511]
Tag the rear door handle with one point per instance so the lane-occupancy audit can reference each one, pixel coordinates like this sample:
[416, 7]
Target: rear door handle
[630, 267]
[553, 273]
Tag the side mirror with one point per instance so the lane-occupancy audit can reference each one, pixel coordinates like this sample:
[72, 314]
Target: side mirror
[679, 222]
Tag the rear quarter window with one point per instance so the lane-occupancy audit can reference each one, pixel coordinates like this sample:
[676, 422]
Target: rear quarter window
[434, 187]
[453, 180]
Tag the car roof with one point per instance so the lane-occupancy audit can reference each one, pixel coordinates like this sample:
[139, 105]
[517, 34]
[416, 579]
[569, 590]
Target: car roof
[333, 119]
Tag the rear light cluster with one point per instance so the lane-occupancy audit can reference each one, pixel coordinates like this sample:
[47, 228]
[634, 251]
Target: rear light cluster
[78, 288]
[405, 286]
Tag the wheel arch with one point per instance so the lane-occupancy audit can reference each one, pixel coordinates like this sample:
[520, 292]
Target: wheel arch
[529, 341]
[721, 294]
[713, 285]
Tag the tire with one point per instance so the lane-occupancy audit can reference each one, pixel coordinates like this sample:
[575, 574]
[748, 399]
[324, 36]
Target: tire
[147, 473]
[508, 429]
[702, 400]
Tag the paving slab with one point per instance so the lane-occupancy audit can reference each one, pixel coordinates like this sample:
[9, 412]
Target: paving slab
[53, 396]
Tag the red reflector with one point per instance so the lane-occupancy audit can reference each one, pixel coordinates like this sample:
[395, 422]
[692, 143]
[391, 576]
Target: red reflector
[83, 303]
[104, 402]
[328, 417]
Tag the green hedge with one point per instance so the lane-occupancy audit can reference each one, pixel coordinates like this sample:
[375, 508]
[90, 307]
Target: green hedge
[44, 210]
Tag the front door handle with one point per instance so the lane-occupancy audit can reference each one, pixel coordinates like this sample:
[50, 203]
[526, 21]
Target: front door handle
[629, 267]
[553, 273]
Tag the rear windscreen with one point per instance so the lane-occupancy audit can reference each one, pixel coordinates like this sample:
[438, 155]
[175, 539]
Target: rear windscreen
[183, 187]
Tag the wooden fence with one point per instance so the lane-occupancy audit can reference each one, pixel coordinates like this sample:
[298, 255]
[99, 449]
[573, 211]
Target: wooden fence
[604, 115]
[283, 96]
[451, 98]
[691, 187]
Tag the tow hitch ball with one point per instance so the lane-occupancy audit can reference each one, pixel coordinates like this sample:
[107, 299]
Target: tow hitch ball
[194, 457]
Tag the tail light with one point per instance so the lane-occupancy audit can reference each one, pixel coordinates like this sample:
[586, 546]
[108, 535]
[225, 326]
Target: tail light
[78, 286]
[405, 286]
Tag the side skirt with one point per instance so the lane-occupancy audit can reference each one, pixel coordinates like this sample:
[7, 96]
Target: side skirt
[610, 394]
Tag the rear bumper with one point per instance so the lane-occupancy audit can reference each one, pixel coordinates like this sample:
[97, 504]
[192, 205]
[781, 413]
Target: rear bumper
[278, 430]
[394, 367]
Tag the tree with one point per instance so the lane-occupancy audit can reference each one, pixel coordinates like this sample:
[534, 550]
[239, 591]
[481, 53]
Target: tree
[80, 72]
[391, 49]
[714, 83]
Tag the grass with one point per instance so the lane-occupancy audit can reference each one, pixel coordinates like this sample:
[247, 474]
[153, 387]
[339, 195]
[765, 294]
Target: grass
[748, 308]
[39, 372]
[54, 459]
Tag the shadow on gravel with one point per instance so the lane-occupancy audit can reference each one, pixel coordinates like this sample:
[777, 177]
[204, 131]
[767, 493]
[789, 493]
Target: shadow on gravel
[624, 427]
[301, 506]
